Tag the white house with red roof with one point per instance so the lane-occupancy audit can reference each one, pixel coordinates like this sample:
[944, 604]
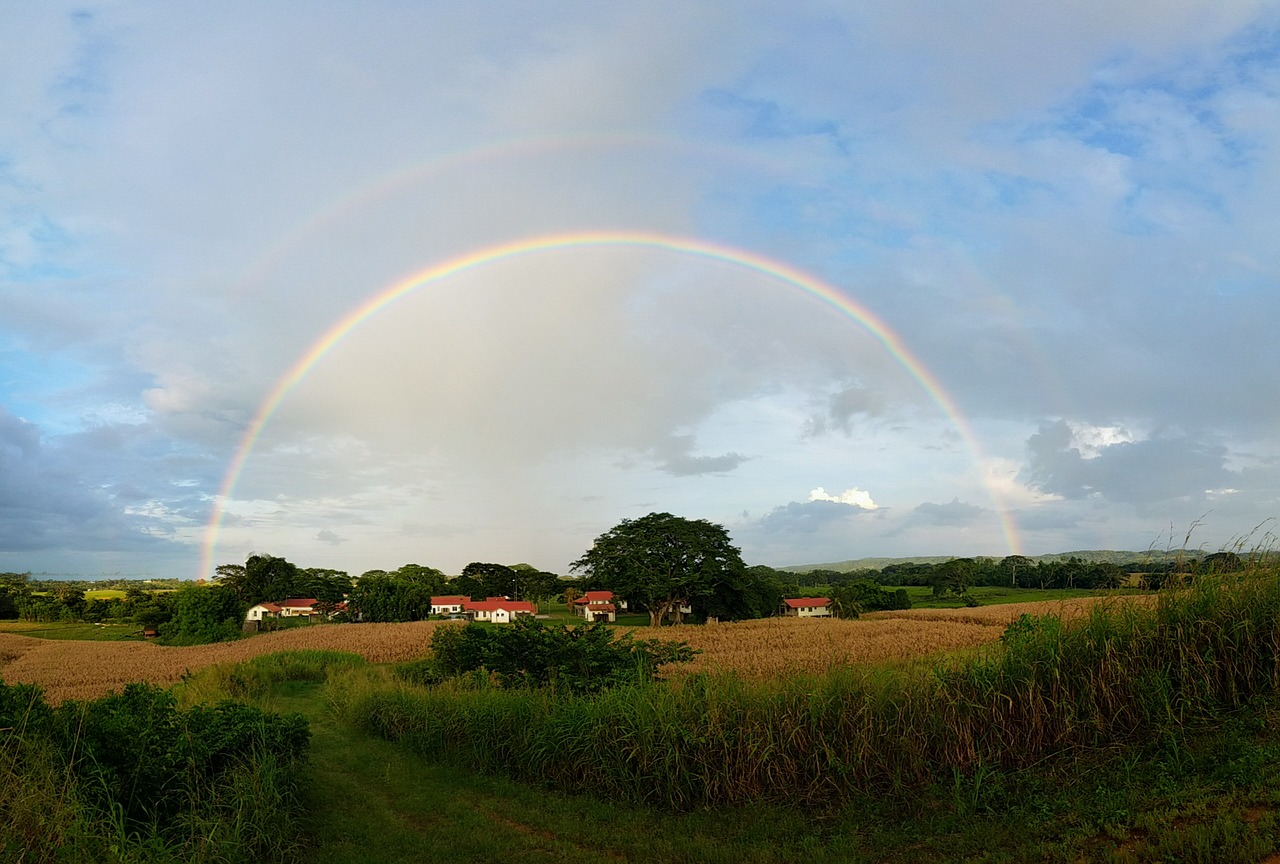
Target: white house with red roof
[806, 607]
[294, 607]
[598, 606]
[448, 605]
[497, 610]
[263, 610]
[298, 606]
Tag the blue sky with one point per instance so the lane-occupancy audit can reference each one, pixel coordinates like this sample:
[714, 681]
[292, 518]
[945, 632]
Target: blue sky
[1066, 216]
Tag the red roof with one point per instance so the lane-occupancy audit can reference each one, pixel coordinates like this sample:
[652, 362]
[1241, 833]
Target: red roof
[601, 607]
[450, 601]
[595, 597]
[299, 602]
[270, 607]
[493, 604]
[798, 602]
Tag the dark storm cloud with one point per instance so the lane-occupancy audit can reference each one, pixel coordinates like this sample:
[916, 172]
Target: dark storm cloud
[1134, 472]
[954, 513]
[807, 517]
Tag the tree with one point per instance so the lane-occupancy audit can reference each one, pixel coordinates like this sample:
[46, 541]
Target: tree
[660, 562]
[201, 615]
[493, 580]
[324, 585]
[1012, 564]
[953, 577]
[263, 577]
[13, 589]
[402, 595]
[755, 592]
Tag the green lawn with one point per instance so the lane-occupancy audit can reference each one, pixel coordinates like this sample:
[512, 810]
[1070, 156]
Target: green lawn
[922, 597]
[1212, 796]
[73, 630]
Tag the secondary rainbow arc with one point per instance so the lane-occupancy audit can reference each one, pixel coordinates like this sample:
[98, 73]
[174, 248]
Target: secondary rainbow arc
[780, 271]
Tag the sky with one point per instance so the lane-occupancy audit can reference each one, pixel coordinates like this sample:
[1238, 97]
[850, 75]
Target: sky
[362, 285]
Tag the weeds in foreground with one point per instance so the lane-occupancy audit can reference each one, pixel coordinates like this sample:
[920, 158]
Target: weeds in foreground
[1123, 673]
[133, 778]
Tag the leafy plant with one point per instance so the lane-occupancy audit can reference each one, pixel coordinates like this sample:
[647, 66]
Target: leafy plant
[528, 653]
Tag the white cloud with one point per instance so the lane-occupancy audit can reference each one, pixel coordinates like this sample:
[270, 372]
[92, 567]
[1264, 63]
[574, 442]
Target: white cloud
[187, 204]
[854, 497]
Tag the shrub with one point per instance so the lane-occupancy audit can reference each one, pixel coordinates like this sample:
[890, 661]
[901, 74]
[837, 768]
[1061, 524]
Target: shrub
[131, 777]
[526, 654]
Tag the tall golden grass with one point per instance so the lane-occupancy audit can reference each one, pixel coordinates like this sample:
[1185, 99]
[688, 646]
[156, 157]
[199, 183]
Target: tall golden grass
[68, 669]
[1122, 672]
[754, 649]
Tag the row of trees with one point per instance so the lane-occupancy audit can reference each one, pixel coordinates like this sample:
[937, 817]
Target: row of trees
[191, 614]
[1019, 571]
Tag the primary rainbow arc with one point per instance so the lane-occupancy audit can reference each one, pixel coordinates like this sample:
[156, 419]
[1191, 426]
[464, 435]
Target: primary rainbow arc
[780, 271]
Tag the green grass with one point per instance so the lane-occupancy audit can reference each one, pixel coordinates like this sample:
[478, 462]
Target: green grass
[922, 597]
[1125, 671]
[1213, 796]
[104, 594]
[74, 630]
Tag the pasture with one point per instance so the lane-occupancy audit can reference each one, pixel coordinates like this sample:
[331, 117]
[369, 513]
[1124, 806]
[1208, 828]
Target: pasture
[70, 669]
[898, 737]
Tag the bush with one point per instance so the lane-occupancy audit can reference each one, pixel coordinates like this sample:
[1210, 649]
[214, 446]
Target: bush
[132, 777]
[202, 615]
[580, 659]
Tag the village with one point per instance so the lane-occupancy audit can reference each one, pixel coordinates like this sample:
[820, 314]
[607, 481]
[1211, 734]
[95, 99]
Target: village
[592, 606]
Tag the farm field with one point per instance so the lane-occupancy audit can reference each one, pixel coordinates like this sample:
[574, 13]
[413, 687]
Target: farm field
[86, 670]
[754, 649]
[988, 595]
[76, 630]
[1212, 794]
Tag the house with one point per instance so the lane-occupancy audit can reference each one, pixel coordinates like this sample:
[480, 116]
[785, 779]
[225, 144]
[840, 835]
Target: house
[807, 607]
[598, 611]
[592, 606]
[262, 611]
[497, 610]
[294, 607]
[448, 605]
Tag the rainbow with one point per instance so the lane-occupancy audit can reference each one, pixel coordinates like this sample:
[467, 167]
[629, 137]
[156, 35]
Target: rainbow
[782, 272]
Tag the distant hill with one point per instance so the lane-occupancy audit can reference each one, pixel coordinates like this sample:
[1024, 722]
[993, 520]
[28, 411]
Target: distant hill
[1090, 556]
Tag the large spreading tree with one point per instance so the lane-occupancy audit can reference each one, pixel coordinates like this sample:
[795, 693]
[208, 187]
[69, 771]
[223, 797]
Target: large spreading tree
[661, 562]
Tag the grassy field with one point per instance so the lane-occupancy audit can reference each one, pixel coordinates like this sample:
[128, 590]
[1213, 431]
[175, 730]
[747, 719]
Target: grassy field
[761, 649]
[75, 630]
[1215, 801]
[1148, 732]
[922, 596]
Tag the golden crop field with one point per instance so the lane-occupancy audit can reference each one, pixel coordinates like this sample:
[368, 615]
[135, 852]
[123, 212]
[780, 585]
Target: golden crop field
[757, 649]
[85, 670]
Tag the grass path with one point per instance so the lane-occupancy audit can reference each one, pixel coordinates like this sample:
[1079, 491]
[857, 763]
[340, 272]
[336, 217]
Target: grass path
[373, 802]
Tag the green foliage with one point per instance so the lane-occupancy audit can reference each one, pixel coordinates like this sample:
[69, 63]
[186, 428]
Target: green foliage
[854, 597]
[130, 777]
[402, 595]
[660, 562]
[1126, 674]
[254, 680]
[203, 614]
[529, 654]
[753, 592]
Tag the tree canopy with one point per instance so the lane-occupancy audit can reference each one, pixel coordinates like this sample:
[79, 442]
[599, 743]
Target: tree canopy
[661, 562]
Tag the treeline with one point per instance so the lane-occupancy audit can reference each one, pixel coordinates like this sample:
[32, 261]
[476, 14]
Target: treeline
[1019, 571]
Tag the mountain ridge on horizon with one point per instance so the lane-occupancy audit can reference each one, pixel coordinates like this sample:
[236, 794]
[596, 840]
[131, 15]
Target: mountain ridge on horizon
[1089, 556]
